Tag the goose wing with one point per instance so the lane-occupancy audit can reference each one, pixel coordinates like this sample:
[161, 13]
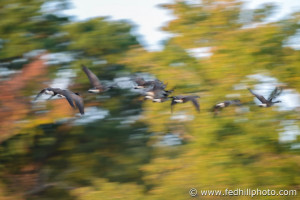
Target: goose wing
[193, 99]
[39, 94]
[196, 104]
[259, 97]
[172, 104]
[95, 82]
[228, 103]
[79, 102]
[68, 96]
[159, 94]
[158, 85]
[275, 93]
[139, 81]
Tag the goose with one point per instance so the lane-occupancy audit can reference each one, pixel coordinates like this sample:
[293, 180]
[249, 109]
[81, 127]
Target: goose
[157, 96]
[158, 93]
[141, 83]
[184, 99]
[69, 95]
[220, 106]
[268, 103]
[55, 91]
[95, 82]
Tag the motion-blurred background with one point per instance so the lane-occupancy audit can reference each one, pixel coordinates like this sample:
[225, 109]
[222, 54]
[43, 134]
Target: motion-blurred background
[127, 148]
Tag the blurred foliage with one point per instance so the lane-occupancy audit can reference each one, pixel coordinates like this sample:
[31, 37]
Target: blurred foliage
[101, 38]
[123, 156]
[25, 27]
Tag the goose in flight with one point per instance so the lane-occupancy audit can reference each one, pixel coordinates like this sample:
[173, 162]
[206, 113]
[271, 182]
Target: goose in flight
[184, 99]
[268, 102]
[220, 106]
[158, 93]
[97, 87]
[69, 95]
[141, 83]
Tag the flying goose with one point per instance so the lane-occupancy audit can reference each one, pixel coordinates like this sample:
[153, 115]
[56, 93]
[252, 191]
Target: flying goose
[268, 103]
[141, 83]
[184, 99]
[69, 95]
[158, 93]
[220, 106]
[95, 82]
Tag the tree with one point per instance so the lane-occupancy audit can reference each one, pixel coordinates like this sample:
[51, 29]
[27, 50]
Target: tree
[130, 147]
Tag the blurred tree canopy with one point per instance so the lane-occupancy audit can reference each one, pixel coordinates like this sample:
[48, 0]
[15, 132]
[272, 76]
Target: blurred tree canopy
[127, 154]
[25, 26]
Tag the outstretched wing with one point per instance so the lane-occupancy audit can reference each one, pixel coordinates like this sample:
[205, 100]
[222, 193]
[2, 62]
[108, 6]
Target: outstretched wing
[95, 82]
[79, 103]
[159, 94]
[39, 94]
[68, 96]
[158, 85]
[139, 81]
[196, 104]
[215, 108]
[259, 97]
[275, 93]
[168, 92]
[172, 105]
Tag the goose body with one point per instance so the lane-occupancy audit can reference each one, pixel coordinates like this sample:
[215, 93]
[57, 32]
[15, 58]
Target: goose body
[227, 103]
[224, 104]
[50, 91]
[220, 105]
[184, 99]
[264, 105]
